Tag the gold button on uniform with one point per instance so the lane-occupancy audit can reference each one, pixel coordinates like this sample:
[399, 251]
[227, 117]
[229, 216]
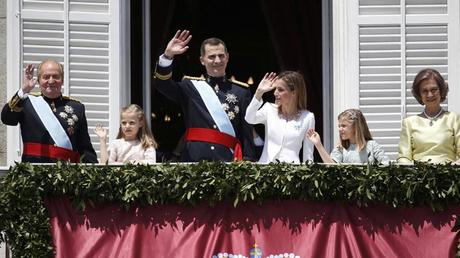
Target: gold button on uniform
[212, 147]
[214, 126]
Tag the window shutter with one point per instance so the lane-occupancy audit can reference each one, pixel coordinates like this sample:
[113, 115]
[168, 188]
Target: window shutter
[85, 37]
[393, 40]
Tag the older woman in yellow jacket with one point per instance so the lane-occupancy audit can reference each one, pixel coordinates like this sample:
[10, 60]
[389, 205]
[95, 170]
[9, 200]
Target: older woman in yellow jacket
[434, 134]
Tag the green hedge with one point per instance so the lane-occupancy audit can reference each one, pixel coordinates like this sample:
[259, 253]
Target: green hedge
[24, 220]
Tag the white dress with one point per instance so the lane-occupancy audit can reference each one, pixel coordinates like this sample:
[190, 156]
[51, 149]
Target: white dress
[283, 139]
[122, 151]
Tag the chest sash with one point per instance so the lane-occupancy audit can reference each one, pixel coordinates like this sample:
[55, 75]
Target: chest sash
[51, 123]
[214, 107]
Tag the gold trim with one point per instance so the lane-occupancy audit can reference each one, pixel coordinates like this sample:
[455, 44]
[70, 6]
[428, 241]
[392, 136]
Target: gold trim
[162, 77]
[239, 83]
[201, 78]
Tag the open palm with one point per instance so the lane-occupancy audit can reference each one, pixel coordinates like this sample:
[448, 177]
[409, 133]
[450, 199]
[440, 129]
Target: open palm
[178, 44]
[267, 82]
[28, 81]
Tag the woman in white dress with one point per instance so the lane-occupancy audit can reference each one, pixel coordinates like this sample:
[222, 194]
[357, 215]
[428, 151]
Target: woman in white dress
[287, 121]
[135, 142]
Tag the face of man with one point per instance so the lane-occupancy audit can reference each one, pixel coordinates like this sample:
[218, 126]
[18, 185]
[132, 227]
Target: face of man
[215, 60]
[50, 80]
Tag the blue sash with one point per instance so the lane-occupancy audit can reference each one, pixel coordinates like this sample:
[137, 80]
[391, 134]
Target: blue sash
[51, 123]
[214, 107]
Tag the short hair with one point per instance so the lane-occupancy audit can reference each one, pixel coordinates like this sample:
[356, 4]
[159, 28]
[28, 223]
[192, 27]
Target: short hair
[362, 134]
[212, 42]
[48, 60]
[295, 82]
[427, 74]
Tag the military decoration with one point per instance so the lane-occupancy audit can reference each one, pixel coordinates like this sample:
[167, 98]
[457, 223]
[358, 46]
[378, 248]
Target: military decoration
[53, 106]
[70, 118]
[230, 105]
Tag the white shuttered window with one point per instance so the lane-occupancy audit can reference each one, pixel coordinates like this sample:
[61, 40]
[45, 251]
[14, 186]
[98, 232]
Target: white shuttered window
[387, 43]
[84, 35]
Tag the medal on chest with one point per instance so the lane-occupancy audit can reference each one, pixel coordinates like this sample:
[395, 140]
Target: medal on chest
[69, 116]
[230, 105]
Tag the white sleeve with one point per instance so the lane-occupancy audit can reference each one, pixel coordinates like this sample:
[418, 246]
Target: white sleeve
[164, 62]
[150, 155]
[112, 150]
[254, 115]
[22, 95]
[308, 146]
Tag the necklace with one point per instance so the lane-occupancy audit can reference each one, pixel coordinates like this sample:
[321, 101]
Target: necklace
[289, 117]
[432, 118]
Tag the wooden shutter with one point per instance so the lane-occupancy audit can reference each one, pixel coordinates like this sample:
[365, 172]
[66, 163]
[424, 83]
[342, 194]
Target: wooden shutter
[389, 41]
[84, 35]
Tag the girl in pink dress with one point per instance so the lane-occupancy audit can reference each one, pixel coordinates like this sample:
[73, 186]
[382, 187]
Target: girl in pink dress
[135, 142]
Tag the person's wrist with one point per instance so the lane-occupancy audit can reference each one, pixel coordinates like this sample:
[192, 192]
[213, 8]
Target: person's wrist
[168, 56]
[25, 89]
[259, 93]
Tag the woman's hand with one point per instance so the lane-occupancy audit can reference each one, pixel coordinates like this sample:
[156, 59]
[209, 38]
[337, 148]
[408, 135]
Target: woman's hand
[265, 85]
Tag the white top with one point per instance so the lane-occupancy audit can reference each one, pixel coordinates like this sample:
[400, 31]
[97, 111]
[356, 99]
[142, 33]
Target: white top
[283, 139]
[122, 151]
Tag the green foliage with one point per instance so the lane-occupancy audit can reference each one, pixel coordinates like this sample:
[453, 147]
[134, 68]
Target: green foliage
[24, 220]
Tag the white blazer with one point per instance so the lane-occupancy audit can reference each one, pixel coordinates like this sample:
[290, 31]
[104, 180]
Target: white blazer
[283, 139]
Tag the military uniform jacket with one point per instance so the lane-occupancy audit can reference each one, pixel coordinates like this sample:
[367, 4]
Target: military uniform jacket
[234, 98]
[71, 115]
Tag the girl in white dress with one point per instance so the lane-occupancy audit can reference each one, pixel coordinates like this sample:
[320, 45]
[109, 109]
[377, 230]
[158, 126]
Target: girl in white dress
[356, 143]
[287, 121]
[135, 142]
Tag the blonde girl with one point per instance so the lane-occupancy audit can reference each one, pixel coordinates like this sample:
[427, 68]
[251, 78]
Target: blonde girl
[135, 142]
[356, 143]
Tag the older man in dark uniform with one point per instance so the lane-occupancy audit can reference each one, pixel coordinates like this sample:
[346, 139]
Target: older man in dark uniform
[214, 107]
[53, 127]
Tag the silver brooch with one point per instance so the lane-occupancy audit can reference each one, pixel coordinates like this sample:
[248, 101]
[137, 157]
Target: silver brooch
[231, 98]
[231, 115]
[225, 106]
[68, 109]
[70, 118]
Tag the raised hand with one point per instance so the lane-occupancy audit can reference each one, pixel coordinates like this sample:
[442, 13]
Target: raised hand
[313, 136]
[178, 44]
[28, 82]
[266, 84]
[100, 131]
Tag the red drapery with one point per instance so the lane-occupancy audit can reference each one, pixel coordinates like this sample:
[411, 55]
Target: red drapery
[304, 229]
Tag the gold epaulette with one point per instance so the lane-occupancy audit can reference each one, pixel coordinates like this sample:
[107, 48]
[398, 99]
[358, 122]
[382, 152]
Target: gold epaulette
[35, 93]
[70, 98]
[242, 84]
[186, 77]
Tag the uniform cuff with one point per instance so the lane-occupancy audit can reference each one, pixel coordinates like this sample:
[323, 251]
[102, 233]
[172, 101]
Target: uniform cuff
[22, 95]
[164, 62]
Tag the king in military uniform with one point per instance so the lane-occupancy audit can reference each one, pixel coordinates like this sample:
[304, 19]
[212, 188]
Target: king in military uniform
[53, 127]
[213, 106]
